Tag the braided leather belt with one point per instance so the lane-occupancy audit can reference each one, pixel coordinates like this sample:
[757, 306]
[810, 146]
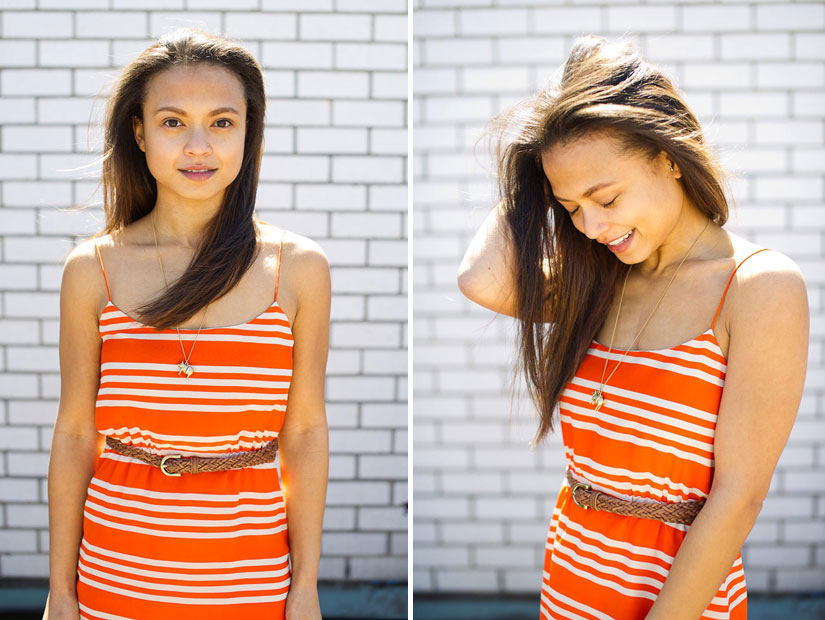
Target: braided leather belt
[680, 512]
[196, 464]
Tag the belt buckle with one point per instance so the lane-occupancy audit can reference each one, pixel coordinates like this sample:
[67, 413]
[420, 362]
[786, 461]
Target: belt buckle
[573, 490]
[163, 463]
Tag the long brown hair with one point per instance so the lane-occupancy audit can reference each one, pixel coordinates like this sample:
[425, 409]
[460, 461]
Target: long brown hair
[606, 87]
[230, 241]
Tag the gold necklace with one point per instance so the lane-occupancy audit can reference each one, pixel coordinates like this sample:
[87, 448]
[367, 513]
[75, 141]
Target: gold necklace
[183, 366]
[597, 398]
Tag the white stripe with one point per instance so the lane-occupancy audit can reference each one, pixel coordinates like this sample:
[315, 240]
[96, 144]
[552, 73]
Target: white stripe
[192, 497]
[668, 420]
[201, 394]
[738, 600]
[211, 510]
[136, 430]
[188, 406]
[212, 338]
[547, 592]
[569, 542]
[185, 333]
[662, 403]
[194, 381]
[115, 456]
[570, 525]
[642, 427]
[99, 613]
[720, 601]
[240, 370]
[238, 600]
[641, 482]
[87, 561]
[116, 313]
[277, 517]
[608, 583]
[137, 559]
[670, 364]
[637, 441]
[178, 534]
[729, 593]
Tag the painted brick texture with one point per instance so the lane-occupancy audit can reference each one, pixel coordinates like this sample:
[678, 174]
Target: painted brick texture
[334, 169]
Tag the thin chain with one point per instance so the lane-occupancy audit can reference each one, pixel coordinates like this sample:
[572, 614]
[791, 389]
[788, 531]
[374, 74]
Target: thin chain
[185, 357]
[609, 349]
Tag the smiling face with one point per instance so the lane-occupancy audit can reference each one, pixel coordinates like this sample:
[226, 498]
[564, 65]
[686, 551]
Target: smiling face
[207, 128]
[632, 194]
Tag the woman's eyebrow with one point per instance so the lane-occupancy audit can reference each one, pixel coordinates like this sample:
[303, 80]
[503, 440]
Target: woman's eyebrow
[586, 194]
[215, 112]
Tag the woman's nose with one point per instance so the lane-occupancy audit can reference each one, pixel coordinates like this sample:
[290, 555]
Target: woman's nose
[197, 142]
[593, 222]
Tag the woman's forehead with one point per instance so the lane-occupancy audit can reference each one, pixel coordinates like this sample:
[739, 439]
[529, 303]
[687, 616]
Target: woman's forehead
[195, 84]
[578, 170]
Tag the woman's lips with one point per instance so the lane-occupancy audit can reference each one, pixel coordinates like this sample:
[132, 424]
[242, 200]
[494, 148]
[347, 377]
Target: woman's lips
[617, 249]
[198, 176]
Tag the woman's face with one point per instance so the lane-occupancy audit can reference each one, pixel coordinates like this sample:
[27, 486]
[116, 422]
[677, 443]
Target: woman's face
[632, 194]
[207, 128]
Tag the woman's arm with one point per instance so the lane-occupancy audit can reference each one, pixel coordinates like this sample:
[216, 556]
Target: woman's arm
[303, 440]
[485, 275]
[76, 443]
[487, 271]
[767, 362]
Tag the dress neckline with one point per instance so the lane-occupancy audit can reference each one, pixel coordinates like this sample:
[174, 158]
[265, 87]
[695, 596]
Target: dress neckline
[708, 331]
[194, 329]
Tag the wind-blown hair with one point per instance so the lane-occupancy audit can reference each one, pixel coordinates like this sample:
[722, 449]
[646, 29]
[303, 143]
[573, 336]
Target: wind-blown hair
[230, 241]
[606, 88]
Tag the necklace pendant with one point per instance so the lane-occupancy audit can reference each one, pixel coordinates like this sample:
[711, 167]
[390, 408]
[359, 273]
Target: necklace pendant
[186, 368]
[597, 399]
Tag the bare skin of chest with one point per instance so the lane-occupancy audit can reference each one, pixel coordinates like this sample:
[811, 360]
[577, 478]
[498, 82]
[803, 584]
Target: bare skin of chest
[685, 312]
[135, 277]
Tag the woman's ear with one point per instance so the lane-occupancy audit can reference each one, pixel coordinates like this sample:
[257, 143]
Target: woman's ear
[137, 128]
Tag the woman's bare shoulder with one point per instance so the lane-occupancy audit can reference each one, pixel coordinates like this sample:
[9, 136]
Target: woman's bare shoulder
[82, 282]
[768, 282]
[300, 252]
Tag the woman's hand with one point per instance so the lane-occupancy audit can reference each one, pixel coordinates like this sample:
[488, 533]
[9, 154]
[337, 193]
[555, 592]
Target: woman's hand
[62, 607]
[302, 604]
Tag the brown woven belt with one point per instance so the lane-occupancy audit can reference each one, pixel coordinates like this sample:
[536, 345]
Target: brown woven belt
[680, 512]
[196, 464]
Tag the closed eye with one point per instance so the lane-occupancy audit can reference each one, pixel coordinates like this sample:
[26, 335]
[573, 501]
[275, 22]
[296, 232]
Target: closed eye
[576, 210]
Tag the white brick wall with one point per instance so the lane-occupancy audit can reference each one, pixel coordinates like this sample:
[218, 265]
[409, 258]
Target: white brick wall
[334, 169]
[755, 74]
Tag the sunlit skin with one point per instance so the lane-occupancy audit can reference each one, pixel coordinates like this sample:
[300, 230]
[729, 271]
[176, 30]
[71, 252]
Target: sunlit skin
[646, 196]
[174, 141]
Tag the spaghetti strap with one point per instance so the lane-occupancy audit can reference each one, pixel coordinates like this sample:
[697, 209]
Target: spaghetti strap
[730, 279]
[278, 272]
[100, 260]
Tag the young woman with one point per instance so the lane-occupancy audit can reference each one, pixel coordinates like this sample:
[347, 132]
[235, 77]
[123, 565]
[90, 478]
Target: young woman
[164, 497]
[608, 246]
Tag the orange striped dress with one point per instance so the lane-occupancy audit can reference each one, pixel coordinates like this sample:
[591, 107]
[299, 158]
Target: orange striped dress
[652, 440]
[209, 545]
